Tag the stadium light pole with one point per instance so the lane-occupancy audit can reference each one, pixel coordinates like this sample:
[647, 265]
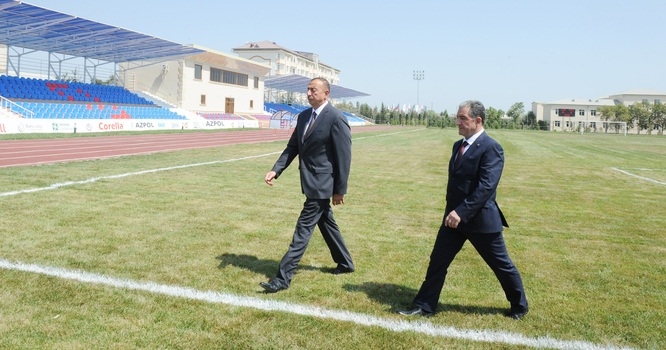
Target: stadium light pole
[418, 76]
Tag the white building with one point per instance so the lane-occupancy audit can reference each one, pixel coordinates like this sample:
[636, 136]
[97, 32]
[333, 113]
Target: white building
[283, 61]
[290, 72]
[630, 97]
[211, 81]
[571, 114]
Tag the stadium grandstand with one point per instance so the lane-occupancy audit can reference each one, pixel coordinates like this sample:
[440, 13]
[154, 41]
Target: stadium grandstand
[292, 85]
[59, 70]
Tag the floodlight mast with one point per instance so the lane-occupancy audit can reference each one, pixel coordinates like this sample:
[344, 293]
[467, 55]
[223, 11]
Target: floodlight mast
[418, 76]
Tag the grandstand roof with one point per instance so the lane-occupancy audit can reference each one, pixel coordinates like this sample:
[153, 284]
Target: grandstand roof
[299, 83]
[32, 27]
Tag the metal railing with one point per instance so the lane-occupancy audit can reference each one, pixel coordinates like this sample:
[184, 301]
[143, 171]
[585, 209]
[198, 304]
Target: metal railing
[15, 109]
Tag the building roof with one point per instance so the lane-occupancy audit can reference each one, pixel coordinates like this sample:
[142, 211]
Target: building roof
[641, 92]
[582, 102]
[215, 57]
[268, 45]
[299, 83]
[272, 46]
[32, 27]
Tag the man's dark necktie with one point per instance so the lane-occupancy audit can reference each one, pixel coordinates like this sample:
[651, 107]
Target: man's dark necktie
[309, 129]
[461, 150]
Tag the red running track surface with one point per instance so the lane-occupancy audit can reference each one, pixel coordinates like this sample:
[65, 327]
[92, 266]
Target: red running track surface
[43, 151]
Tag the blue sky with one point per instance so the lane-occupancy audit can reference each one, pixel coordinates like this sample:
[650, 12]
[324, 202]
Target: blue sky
[498, 52]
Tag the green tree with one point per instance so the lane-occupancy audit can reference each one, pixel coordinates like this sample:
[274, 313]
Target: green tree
[622, 115]
[380, 117]
[442, 120]
[606, 113]
[641, 116]
[616, 113]
[516, 112]
[659, 117]
[493, 118]
[530, 120]
[366, 111]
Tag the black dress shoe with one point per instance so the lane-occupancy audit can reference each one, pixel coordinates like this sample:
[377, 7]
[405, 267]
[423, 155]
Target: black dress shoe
[517, 315]
[271, 287]
[415, 312]
[341, 269]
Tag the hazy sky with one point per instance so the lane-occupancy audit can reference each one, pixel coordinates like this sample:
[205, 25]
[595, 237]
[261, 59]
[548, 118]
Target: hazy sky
[499, 52]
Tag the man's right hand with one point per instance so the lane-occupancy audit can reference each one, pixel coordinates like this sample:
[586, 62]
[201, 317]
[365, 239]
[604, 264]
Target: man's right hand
[452, 220]
[269, 177]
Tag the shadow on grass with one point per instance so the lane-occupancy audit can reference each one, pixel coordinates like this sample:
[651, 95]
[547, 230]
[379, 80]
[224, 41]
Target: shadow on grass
[399, 297]
[265, 267]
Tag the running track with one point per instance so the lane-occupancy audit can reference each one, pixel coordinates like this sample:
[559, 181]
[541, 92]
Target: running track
[44, 151]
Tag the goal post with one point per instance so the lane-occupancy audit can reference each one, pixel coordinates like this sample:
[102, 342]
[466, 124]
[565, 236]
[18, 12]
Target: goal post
[617, 127]
[605, 127]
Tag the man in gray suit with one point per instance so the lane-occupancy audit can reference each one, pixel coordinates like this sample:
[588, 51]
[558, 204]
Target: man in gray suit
[472, 214]
[322, 142]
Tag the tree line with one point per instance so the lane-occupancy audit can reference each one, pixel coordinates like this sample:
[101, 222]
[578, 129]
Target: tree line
[642, 116]
[514, 118]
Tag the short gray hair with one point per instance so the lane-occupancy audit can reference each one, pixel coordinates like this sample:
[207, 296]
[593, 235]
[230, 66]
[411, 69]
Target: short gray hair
[476, 109]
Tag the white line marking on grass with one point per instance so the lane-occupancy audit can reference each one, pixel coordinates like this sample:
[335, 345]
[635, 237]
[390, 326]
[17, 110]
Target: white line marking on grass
[640, 177]
[388, 134]
[118, 176]
[423, 327]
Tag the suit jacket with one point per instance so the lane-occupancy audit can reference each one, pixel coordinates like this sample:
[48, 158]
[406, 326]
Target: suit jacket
[472, 186]
[324, 155]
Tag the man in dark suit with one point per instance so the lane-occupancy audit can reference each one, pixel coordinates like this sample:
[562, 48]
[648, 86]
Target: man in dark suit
[472, 214]
[322, 141]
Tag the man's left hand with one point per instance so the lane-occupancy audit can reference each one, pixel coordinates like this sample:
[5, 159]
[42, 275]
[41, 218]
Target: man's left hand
[338, 199]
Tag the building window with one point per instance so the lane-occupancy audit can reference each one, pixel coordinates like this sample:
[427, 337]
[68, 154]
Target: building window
[216, 75]
[251, 103]
[197, 71]
[223, 76]
[581, 112]
[234, 78]
[645, 100]
[657, 101]
[593, 125]
[256, 82]
[203, 100]
[557, 123]
[593, 112]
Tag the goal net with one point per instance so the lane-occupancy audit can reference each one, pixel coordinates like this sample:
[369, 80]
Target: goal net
[603, 127]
